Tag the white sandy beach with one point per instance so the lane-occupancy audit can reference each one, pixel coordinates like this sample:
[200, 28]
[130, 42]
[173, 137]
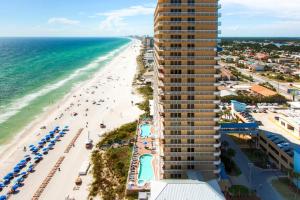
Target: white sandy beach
[106, 98]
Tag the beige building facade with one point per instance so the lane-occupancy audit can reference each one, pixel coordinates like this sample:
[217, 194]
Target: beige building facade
[185, 87]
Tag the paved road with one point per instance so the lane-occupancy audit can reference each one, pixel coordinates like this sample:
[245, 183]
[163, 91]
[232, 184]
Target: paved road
[257, 178]
[280, 87]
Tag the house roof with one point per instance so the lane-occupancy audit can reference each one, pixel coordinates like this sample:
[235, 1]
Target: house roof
[184, 189]
[262, 90]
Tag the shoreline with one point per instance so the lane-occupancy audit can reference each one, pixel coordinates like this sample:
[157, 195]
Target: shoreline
[52, 108]
[13, 150]
[106, 97]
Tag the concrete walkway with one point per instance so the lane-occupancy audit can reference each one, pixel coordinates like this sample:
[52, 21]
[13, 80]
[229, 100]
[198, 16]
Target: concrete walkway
[256, 178]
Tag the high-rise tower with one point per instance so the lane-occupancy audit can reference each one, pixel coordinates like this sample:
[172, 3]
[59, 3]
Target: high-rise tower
[185, 87]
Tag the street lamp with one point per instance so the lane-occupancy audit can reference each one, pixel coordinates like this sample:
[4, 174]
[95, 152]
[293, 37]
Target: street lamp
[250, 165]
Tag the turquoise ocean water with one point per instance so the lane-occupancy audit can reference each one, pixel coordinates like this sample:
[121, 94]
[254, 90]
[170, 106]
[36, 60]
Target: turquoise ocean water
[37, 72]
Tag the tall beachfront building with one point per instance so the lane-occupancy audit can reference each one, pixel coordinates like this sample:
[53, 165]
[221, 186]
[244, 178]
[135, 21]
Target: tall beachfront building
[185, 88]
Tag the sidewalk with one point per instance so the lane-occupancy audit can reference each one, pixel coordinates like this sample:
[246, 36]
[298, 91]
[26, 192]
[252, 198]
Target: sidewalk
[257, 178]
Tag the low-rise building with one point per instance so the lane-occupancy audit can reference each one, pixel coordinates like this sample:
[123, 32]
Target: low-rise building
[258, 89]
[290, 121]
[255, 67]
[183, 189]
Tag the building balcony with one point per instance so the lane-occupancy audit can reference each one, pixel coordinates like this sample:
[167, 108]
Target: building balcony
[207, 128]
[206, 5]
[217, 171]
[217, 145]
[186, 40]
[217, 154]
[189, 153]
[187, 145]
[201, 119]
[192, 84]
[192, 92]
[193, 110]
[203, 14]
[161, 57]
[197, 22]
[187, 31]
[185, 48]
[192, 75]
[187, 162]
[191, 101]
[189, 136]
[189, 66]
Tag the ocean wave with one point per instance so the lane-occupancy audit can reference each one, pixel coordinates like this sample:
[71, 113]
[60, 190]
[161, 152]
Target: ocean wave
[14, 108]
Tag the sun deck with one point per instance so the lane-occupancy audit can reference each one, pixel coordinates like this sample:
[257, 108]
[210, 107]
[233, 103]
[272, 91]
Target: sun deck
[145, 152]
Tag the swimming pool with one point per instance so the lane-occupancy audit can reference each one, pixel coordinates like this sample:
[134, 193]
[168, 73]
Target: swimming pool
[145, 130]
[146, 173]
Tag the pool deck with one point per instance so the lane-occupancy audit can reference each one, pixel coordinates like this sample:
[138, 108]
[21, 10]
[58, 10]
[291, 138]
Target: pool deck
[140, 149]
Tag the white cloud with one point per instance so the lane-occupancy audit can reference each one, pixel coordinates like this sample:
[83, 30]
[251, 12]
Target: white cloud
[62, 21]
[115, 20]
[284, 9]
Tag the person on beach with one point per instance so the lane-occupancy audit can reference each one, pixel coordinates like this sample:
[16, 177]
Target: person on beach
[24, 149]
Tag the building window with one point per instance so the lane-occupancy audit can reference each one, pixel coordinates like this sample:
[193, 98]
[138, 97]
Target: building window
[191, 80]
[191, 89]
[175, 176]
[190, 106]
[191, 71]
[191, 123]
[176, 71]
[190, 141]
[175, 106]
[174, 45]
[175, 10]
[175, 19]
[175, 1]
[175, 97]
[175, 36]
[190, 150]
[175, 80]
[191, 97]
[191, 19]
[176, 158]
[175, 166]
[191, 45]
[190, 132]
[175, 149]
[175, 89]
[176, 28]
[190, 63]
[175, 132]
[175, 141]
[191, 10]
[191, 115]
[191, 1]
[191, 166]
[175, 115]
[190, 158]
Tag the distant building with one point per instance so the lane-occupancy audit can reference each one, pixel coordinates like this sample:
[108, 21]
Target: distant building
[262, 56]
[148, 42]
[258, 89]
[149, 57]
[183, 189]
[255, 67]
[290, 121]
[226, 75]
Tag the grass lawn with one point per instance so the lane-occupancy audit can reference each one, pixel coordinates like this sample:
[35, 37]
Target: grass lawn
[282, 185]
[239, 190]
[259, 158]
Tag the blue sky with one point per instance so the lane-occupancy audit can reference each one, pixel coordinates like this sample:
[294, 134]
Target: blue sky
[124, 17]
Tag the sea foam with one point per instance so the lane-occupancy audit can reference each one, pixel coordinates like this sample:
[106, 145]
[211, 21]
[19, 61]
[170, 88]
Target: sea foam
[14, 107]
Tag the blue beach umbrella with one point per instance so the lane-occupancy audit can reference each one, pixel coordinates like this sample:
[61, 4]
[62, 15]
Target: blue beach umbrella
[2, 185]
[27, 157]
[31, 145]
[6, 181]
[3, 197]
[20, 180]
[15, 187]
[23, 174]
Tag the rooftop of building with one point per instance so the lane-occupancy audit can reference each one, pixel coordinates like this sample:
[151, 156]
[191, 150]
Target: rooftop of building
[185, 189]
[262, 90]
